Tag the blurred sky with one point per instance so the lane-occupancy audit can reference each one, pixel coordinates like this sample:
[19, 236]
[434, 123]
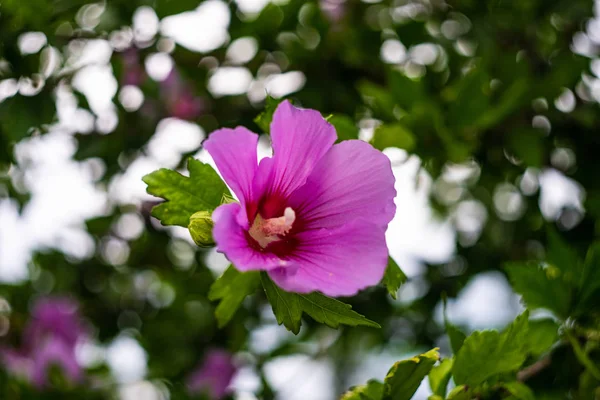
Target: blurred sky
[65, 192]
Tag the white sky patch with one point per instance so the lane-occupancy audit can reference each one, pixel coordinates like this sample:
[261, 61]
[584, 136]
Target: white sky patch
[486, 302]
[300, 377]
[557, 192]
[280, 85]
[126, 359]
[98, 84]
[201, 30]
[415, 234]
[229, 81]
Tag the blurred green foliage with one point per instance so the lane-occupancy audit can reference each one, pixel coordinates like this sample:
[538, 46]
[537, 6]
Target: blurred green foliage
[498, 88]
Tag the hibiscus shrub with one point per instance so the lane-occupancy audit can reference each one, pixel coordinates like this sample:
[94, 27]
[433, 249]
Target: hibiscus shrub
[426, 226]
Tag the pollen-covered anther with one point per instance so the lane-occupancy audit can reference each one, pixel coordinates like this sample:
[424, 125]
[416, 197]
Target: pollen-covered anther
[266, 231]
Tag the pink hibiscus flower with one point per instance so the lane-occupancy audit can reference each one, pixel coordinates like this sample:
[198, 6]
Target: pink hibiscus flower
[314, 215]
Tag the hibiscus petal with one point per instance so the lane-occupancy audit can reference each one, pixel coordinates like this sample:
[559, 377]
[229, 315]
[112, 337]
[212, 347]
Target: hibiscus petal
[230, 233]
[336, 262]
[353, 180]
[300, 138]
[234, 152]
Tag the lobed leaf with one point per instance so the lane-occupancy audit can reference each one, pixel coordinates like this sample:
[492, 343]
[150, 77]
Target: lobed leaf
[404, 378]
[201, 191]
[231, 289]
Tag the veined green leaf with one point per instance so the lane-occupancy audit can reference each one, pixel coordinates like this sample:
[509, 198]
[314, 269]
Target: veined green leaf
[393, 278]
[440, 376]
[288, 308]
[184, 196]
[488, 353]
[373, 390]
[404, 378]
[232, 288]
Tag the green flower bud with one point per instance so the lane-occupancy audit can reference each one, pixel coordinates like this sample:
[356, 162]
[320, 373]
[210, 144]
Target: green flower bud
[201, 225]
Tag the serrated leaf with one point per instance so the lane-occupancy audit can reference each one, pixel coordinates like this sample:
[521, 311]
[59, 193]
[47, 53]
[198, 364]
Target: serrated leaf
[404, 378]
[456, 336]
[440, 376]
[519, 390]
[263, 120]
[332, 312]
[393, 278]
[541, 287]
[393, 135]
[286, 306]
[488, 353]
[232, 288]
[542, 334]
[184, 196]
[373, 390]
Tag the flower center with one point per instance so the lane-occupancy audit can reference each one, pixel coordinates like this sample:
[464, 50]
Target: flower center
[266, 231]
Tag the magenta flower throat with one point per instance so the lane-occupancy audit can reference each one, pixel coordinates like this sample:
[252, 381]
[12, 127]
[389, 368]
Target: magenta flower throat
[314, 215]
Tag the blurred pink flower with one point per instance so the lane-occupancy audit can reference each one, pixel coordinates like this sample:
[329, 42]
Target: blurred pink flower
[179, 99]
[314, 215]
[133, 72]
[49, 339]
[213, 376]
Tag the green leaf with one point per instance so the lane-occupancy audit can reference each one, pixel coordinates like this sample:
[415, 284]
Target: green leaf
[393, 135]
[344, 126]
[440, 376]
[542, 334]
[288, 308]
[589, 292]
[541, 287]
[201, 225]
[563, 257]
[232, 288]
[407, 92]
[519, 390]
[263, 120]
[404, 378]
[488, 353]
[456, 336]
[184, 196]
[460, 392]
[393, 278]
[332, 312]
[373, 390]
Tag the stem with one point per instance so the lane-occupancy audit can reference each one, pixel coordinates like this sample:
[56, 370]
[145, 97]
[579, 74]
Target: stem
[582, 356]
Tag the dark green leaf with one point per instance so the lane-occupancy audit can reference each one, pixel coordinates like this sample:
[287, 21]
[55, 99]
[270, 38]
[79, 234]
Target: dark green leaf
[232, 288]
[263, 120]
[543, 333]
[184, 196]
[404, 378]
[332, 312]
[563, 257]
[393, 135]
[344, 126]
[393, 278]
[541, 287]
[456, 336]
[373, 390]
[488, 353]
[589, 293]
[286, 306]
[440, 376]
